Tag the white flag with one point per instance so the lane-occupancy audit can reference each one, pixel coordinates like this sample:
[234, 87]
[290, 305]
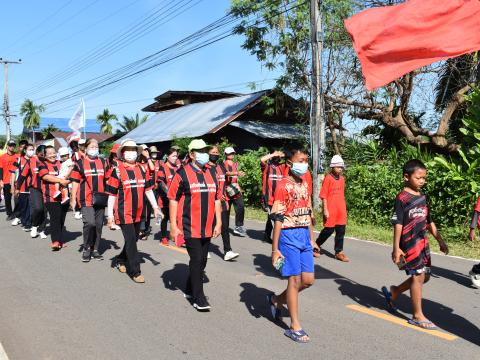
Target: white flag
[77, 121]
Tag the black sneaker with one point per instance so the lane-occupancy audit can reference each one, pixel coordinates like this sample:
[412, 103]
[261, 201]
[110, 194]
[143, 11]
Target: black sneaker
[96, 255]
[10, 217]
[202, 304]
[86, 256]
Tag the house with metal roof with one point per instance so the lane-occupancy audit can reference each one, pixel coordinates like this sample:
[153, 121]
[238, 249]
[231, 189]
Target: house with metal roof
[263, 118]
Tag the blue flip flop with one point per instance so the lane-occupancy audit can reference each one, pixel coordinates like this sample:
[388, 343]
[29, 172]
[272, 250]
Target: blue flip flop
[296, 335]
[388, 299]
[276, 312]
[426, 325]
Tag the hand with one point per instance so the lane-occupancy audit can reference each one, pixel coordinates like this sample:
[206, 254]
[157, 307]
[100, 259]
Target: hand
[279, 154]
[326, 214]
[16, 193]
[64, 182]
[73, 203]
[241, 173]
[12, 191]
[396, 255]
[443, 247]
[110, 222]
[275, 256]
[157, 213]
[217, 230]
[1, 183]
[472, 235]
[315, 247]
[174, 232]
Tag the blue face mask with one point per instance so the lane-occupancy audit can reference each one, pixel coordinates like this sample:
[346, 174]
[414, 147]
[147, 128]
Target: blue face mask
[299, 169]
[202, 158]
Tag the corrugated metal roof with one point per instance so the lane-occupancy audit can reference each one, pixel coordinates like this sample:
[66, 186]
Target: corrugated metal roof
[271, 130]
[62, 124]
[192, 120]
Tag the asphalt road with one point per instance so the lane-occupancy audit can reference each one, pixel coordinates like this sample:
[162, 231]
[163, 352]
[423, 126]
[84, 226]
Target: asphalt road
[53, 306]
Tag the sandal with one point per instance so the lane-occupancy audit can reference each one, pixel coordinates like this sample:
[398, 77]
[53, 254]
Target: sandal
[297, 336]
[388, 299]
[274, 310]
[425, 324]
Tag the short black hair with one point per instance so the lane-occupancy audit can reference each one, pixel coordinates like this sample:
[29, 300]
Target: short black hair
[291, 151]
[40, 148]
[23, 142]
[413, 165]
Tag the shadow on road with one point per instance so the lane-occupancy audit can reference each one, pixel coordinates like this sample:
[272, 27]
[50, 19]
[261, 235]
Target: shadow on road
[145, 256]
[256, 234]
[255, 300]
[263, 264]
[443, 316]
[68, 236]
[455, 276]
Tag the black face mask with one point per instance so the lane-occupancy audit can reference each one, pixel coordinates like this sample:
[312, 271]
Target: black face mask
[214, 158]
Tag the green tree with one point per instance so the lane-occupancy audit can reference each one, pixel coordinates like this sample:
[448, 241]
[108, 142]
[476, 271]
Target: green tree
[105, 119]
[131, 122]
[31, 115]
[50, 128]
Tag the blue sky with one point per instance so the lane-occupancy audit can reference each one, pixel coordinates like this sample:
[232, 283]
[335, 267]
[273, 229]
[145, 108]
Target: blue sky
[49, 35]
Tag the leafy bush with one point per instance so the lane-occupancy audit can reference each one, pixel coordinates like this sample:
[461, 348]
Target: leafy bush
[251, 183]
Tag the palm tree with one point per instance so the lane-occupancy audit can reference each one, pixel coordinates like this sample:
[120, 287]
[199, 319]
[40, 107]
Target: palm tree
[130, 123]
[50, 128]
[31, 115]
[104, 119]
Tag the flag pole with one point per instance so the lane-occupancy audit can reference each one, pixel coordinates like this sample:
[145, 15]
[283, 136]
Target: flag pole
[84, 122]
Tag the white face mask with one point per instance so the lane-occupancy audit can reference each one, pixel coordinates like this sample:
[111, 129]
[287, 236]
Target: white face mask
[201, 158]
[30, 153]
[93, 152]
[130, 156]
[299, 169]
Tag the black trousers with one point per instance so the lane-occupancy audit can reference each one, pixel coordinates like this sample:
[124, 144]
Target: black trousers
[8, 199]
[198, 252]
[268, 227]
[226, 229]
[92, 227]
[129, 254]
[24, 209]
[166, 218]
[57, 213]
[339, 236]
[239, 210]
[38, 209]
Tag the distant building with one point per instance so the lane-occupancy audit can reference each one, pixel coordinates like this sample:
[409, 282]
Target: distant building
[265, 118]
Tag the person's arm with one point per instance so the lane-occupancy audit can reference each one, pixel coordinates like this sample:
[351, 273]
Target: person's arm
[473, 225]
[323, 196]
[151, 199]
[174, 194]
[73, 197]
[264, 159]
[110, 206]
[54, 179]
[174, 230]
[397, 253]
[276, 254]
[218, 219]
[436, 234]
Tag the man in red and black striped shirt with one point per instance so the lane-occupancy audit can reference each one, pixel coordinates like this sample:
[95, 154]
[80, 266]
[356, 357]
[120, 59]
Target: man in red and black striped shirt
[195, 211]
[48, 172]
[128, 186]
[233, 191]
[272, 174]
[22, 190]
[88, 177]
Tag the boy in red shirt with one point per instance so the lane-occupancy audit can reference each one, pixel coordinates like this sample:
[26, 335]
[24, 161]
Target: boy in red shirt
[292, 243]
[334, 207]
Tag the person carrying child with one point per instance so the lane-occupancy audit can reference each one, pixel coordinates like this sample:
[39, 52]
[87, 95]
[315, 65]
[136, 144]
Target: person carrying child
[65, 171]
[411, 252]
[332, 195]
[291, 243]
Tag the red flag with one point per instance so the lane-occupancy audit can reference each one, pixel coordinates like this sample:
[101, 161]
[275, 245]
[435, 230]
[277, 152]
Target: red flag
[391, 41]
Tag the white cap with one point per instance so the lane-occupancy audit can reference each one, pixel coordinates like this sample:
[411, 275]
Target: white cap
[63, 151]
[229, 150]
[81, 141]
[144, 147]
[337, 161]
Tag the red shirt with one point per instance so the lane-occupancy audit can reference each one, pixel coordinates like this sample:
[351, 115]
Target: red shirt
[292, 204]
[333, 189]
[48, 188]
[271, 175]
[306, 177]
[129, 184]
[165, 175]
[90, 174]
[196, 192]
[23, 184]
[7, 166]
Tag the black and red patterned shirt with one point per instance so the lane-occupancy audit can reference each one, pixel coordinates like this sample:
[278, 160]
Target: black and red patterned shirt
[196, 191]
[23, 183]
[411, 211]
[90, 174]
[271, 175]
[129, 184]
[48, 188]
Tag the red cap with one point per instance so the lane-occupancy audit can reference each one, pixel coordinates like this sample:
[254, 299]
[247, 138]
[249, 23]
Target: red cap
[115, 148]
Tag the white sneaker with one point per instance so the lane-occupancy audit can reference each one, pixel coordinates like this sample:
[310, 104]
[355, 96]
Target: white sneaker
[209, 256]
[42, 235]
[77, 215]
[16, 221]
[230, 255]
[239, 231]
[33, 232]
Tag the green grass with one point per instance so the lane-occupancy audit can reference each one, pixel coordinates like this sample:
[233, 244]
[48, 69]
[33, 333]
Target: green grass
[456, 238]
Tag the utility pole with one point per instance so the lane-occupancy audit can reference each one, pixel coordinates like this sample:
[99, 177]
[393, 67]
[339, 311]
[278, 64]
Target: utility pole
[6, 105]
[317, 119]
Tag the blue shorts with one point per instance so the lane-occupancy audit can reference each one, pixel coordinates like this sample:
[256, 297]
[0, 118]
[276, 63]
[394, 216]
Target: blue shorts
[295, 246]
